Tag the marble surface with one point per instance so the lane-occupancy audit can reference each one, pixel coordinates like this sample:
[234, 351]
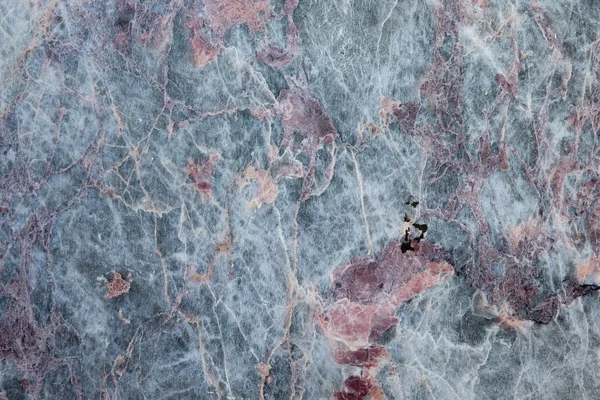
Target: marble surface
[286, 199]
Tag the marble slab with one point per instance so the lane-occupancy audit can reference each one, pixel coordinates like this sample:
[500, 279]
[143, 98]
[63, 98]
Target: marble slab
[299, 199]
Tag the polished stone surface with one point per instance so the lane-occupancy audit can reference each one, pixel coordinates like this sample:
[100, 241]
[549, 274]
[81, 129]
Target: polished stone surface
[285, 199]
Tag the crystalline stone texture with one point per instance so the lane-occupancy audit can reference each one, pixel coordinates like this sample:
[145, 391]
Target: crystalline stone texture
[285, 199]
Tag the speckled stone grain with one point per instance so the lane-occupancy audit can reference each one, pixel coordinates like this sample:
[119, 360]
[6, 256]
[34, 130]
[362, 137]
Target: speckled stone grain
[299, 199]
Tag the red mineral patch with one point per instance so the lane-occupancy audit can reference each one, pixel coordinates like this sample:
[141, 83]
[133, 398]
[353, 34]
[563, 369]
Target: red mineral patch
[365, 295]
[202, 50]
[406, 114]
[531, 228]
[304, 115]
[510, 322]
[117, 286]
[155, 29]
[393, 273]
[432, 276]
[574, 290]
[267, 186]
[355, 388]
[361, 357]
[201, 174]
[588, 273]
[350, 323]
[223, 14]
[508, 87]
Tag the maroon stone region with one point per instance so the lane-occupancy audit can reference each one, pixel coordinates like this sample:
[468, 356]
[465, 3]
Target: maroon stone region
[117, 286]
[355, 388]
[364, 297]
[201, 174]
[304, 115]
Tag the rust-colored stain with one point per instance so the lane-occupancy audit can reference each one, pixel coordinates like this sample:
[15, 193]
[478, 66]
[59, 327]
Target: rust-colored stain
[365, 294]
[202, 50]
[222, 15]
[588, 273]
[267, 187]
[201, 174]
[117, 286]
